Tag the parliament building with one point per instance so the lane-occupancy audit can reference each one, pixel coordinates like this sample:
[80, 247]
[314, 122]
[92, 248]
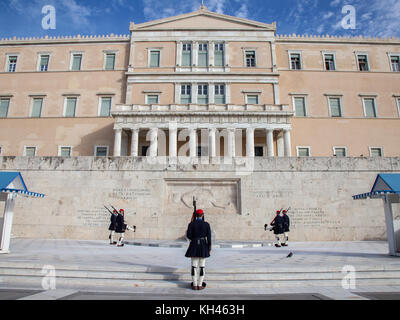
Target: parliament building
[319, 116]
[200, 74]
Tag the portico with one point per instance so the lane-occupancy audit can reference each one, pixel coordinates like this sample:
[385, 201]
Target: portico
[222, 134]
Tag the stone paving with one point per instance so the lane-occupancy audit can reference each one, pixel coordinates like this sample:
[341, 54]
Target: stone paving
[99, 254]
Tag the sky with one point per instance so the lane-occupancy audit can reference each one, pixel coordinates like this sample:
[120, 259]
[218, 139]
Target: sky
[23, 18]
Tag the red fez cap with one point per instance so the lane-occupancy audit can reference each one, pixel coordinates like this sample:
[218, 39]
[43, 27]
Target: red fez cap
[200, 212]
[121, 210]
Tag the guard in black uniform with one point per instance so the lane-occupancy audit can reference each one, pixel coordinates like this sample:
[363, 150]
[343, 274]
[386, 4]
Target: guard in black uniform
[286, 228]
[199, 234]
[277, 226]
[113, 226]
[121, 227]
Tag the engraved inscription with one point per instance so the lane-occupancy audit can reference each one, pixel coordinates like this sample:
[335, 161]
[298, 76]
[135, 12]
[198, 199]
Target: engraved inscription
[130, 194]
[96, 217]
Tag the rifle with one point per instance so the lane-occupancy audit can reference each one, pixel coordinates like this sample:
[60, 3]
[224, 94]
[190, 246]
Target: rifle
[108, 210]
[194, 209]
[113, 208]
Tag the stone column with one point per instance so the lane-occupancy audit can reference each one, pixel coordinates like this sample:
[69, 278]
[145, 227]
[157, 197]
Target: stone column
[227, 93]
[280, 145]
[270, 143]
[211, 53]
[211, 93]
[193, 143]
[231, 143]
[135, 143]
[179, 53]
[117, 142]
[195, 91]
[288, 146]
[173, 142]
[250, 142]
[153, 142]
[212, 143]
[195, 53]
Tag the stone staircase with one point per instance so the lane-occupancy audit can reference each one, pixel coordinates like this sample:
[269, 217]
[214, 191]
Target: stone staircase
[92, 277]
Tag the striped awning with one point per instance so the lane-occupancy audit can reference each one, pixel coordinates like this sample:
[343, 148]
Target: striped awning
[384, 184]
[13, 183]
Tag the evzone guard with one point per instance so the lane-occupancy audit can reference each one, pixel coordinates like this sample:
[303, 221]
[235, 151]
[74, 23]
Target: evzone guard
[117, 225]
[199, 234]
[121, 227]
[280, 225]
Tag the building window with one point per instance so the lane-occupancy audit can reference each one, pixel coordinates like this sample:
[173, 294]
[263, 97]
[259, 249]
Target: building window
[300, 106]
[203, 55]
[329, 62]
[259, 151]
[186, 94]
[202, 151]
[37, 108]
[145, 149]
[4, 106]
[1, 150]
[101, 151]
[30, 152]
[376, 152]
[395, 63]
[295, 61]
[250, 59]
[252, 99]
[335, 107]
[152, 99]
[219, 55]
[363, 64]
[340, 152]
[76, 62]
[105, 106]
[110, 61]
[44, 62]
[186, 54]
[12, 63]
[155, 58]
[70, 107]
[398, 105]
[370, 107]
[64, 151]
[202, 94]
[219, 96]
[303, 151]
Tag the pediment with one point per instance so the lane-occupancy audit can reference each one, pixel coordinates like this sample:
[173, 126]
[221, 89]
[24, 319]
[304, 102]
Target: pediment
[203, 20]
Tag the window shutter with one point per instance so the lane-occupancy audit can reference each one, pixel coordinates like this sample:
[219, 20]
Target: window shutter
[76, 62]
[370, 108]
[152, 99]
[30, 151]
[300, 107]
[252, 99]
[110, 61]
[71, 107]
[37, 108]
[105, 109]
[335, 107]
[4, 104]
[154, 59]
[65, 152]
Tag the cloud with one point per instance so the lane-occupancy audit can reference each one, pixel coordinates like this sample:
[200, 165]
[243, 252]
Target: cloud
[243, 12]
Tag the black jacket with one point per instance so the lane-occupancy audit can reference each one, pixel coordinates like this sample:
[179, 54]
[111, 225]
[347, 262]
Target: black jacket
[278, 225]
[120, 224]
[286, 223]
[199, 234]
[113, 220]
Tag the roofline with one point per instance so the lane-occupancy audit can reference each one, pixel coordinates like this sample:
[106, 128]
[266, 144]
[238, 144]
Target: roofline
[205, 12]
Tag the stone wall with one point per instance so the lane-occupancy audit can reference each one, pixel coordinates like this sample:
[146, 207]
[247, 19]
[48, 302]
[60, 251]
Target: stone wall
[238, 198]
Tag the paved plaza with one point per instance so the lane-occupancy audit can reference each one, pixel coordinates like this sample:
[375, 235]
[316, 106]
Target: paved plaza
[165, 261]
